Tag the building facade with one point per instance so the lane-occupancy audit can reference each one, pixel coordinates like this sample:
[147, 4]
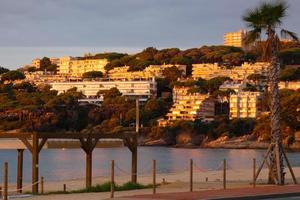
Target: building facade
[188, 106]
[245, 105]
[291, 85]
[235, 38]
[143, 88]
[71, 66]
[148, 72]
[36, 63]
[237, 73]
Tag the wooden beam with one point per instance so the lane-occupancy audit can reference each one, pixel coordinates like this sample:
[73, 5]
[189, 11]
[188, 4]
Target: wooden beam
[88, 145]
[14, 135]
[20, 170]
[26, 143]
[42, 143]
[88, 177]
[35, 163]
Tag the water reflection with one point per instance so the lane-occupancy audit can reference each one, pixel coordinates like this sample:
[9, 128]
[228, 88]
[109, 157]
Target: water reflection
[70, 163]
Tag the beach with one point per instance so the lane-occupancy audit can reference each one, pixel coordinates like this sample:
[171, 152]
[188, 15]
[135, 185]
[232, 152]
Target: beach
[173, 182]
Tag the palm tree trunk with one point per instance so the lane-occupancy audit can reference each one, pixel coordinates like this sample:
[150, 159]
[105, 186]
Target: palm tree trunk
[276, 170]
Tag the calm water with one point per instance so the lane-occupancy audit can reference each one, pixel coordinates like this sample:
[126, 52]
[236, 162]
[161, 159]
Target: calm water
[70, 164]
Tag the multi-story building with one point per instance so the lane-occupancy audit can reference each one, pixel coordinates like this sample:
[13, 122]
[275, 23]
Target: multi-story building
[189, 106]
[55, 61]
[41, 77]
[36, 63]
[292, 85]
[235, 38]
[148, 72]
[143, 88]
[235, 86]
[77, 66]
[245, 105]
[237, 73]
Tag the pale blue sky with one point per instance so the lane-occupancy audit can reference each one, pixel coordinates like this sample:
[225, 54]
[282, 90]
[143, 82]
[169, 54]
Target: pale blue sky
[79, 26]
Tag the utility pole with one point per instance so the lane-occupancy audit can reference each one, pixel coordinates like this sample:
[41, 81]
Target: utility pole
[137, 114]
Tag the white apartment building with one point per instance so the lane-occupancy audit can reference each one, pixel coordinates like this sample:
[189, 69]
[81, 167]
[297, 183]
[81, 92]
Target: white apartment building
[144, 88]
[245, 105]
[237, 73]
[71, 66]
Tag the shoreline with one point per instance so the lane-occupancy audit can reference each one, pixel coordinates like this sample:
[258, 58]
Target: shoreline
[175, 182]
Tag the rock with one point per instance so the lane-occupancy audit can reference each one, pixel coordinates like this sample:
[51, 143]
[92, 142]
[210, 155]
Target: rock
[159, 142]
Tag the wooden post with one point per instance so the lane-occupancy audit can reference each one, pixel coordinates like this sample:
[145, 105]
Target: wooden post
[290, 167]
[5, 181]
[134, 164]
[1, 192]
[35, 163]
[137, 115]
[112, 180]
[191, 175]
[154, 176]
[64, 187]
[224, 174]
[254, 172]
[20, 170]
[88, 169]
[42, 185]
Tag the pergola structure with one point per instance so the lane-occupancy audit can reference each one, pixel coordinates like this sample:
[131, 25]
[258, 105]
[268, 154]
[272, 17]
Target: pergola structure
[34, 142]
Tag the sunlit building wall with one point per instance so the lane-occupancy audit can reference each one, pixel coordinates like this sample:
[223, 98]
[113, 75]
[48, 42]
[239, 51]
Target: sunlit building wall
[189, 106]
[245, 105]
[77, 66]
[144, 88]
[235, 38]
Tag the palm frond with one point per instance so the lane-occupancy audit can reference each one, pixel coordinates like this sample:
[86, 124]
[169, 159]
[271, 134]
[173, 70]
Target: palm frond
[289, 34]
[253, 18]
[267, 14]
[252, 36]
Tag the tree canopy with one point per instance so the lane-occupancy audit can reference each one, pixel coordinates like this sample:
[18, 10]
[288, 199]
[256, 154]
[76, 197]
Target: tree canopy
[12, 76]
[92, 74]
[3, 70]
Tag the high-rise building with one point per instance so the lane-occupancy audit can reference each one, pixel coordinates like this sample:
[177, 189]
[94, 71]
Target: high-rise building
[235, 38]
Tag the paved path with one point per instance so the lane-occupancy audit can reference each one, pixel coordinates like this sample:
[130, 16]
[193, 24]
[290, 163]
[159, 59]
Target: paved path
[238, 193]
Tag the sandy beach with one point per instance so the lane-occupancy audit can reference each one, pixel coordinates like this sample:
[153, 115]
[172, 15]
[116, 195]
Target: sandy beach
[175, 182]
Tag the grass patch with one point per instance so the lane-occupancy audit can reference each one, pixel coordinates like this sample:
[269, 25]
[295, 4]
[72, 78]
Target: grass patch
[105, 187]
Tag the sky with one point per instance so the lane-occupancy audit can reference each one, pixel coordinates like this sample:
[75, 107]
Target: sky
[36, 28]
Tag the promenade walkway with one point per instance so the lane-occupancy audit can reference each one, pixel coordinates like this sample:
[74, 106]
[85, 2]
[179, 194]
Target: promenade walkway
[263, 192]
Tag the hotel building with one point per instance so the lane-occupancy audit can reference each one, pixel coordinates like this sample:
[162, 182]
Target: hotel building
[143, 88]
[71, 66]
[245, 105]
[188, 106]
[235, 38]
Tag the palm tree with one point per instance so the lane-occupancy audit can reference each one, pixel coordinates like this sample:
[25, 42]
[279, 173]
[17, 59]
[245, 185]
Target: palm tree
[266, 19]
